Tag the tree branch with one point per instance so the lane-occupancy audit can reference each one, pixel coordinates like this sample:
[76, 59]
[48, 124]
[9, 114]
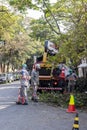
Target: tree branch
[53, 18]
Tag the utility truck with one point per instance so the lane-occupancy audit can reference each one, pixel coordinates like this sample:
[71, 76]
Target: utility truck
[48, 77]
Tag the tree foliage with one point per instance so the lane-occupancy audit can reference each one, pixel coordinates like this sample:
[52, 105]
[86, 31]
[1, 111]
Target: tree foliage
[18, 46]
[66, 20]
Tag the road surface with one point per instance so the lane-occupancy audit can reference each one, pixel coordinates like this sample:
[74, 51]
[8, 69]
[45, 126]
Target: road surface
[35, 116]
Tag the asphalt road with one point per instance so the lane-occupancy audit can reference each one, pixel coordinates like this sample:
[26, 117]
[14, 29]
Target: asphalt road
[35, 116]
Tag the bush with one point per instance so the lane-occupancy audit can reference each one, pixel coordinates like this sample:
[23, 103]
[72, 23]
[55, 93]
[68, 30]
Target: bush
[62, 100]
[55, 98]
[81, 100]
[81, 85]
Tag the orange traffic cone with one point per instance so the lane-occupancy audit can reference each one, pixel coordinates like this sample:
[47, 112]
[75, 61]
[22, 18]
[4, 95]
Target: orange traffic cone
[23, 100]
[76, 123]
[19, 97]
[71, 107]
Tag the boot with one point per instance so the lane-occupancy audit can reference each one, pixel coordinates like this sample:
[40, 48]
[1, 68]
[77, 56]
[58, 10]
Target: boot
[26, 102]
[34, 99]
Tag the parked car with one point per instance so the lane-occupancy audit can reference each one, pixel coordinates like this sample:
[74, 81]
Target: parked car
[16, 75]
[10, 77]
[3, 77]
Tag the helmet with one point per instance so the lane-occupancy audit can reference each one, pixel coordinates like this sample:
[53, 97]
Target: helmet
[37, 66]
[24, 66]
[70, 71]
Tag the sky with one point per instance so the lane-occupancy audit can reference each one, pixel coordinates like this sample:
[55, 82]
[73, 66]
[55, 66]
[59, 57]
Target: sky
[53, 1]
[30, 13]
[34, 14]
[37, 14]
